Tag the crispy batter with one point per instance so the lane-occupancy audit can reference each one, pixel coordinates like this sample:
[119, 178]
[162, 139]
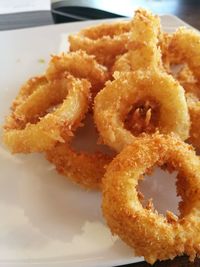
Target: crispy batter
[137, 91]
[151, 234]
[144, 54]
[104, 41]
[27, 89]
[56, 126]
[194, 110]
[80, 65]
[183, 47]
[143, 117]
[144, 39]
[115, 100]
[82, 167]
[85, 169]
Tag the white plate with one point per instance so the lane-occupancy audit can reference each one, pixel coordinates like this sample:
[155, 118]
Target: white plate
[45, 219]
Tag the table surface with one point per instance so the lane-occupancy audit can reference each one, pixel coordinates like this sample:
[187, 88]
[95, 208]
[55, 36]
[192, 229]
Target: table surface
[189, 11]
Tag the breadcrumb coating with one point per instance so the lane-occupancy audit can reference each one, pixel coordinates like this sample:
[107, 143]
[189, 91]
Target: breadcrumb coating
[153, 235]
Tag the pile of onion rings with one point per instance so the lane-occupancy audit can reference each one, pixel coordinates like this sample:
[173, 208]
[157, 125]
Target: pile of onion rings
[140, 86]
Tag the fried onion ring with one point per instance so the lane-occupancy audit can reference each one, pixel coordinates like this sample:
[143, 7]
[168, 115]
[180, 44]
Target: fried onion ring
[35, 90]
[151, 234]
[118, 96]
[53, 127]
[104, 41]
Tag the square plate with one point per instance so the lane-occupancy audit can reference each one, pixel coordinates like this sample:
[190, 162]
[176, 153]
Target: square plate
[44, 218]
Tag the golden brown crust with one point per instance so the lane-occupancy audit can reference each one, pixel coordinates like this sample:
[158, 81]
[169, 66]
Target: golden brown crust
[80, 65]
[53, 127]
[104, 41]
[194, 110]
[85, 169]
[115, 100]
[183, 47]
[143, 46]
[149, 233]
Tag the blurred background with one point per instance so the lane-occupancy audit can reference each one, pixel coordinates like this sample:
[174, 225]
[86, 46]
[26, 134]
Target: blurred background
[61, 11]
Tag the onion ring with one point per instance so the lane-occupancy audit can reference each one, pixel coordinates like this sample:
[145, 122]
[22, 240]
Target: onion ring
[151, 234]
[104, 41]
[54, 127]
[36, 90]
[116, 99]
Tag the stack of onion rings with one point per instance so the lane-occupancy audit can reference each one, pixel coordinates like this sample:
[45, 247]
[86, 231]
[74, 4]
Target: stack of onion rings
[143, 80]
[30, 117]
[104, 41]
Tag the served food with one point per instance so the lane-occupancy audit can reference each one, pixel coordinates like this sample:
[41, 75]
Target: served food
[151, 234]
[141, 87]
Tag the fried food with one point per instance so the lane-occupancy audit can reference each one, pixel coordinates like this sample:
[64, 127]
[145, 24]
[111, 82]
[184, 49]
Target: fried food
[153, 235]
[144, 39]
[53, 127]
[142, 82]
[185, 45]
[83, 164]
[183, 49]
[85, 169]
[104, 41]
[27, 89]
[194, 110]
[117, 98]
[80, 65]
[192, 89]
[135, 73]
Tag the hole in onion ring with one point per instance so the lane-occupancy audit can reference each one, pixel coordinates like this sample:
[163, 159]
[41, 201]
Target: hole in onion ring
[154, 190]
[86, 138]
[143, 117]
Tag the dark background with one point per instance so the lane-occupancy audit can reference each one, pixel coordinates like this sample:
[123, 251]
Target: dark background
[187, 10]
